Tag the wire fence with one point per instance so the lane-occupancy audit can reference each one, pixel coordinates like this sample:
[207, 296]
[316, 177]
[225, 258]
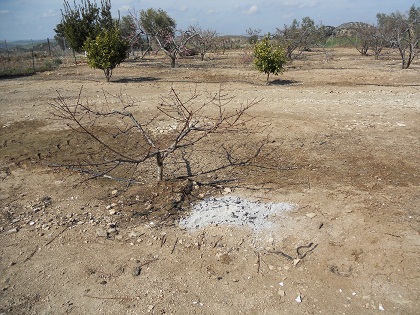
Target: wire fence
[27, 57]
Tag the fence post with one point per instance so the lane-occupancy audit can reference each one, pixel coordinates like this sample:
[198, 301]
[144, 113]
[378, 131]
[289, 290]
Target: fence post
[33, 56]
[49, 47]
[7, 50]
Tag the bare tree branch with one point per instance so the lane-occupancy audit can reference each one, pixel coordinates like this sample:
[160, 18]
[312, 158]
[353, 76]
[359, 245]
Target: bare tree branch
[124, 143]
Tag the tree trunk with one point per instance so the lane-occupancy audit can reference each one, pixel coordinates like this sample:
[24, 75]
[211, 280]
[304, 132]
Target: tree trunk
[268, 77]
[173, 59]
[159, 162]
[202, 57]
[108, 74]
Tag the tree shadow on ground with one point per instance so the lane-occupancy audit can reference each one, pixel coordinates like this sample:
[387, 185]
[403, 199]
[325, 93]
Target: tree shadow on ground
[131, 80]
[16, 76]
[282, 82]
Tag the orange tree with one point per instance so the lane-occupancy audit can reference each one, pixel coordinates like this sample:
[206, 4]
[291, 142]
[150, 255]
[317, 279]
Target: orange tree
[269, 58]
[107, 50]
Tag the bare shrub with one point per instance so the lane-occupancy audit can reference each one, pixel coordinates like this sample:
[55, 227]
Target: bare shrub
[186, 139]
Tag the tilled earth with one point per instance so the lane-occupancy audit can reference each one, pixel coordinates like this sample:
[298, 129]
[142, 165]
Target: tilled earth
[344, 149]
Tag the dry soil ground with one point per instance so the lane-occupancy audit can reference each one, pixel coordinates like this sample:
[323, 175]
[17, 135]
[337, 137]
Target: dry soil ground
[346, 142]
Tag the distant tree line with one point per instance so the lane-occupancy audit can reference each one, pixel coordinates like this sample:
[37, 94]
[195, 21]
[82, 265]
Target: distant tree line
[400, 31]
[107, 41]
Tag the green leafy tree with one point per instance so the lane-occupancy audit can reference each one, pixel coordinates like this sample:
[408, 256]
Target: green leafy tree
[107, 50]
[60, 37]
[269, 58]
[82, 21]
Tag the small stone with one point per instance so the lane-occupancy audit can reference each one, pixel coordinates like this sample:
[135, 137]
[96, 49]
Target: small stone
[299, 299]
[281, 292]
[381, 308]
[101, 233]
[114, 192]
[112, 231]
[112, 212]
[136, 271]
[132, 234]
[296, 262]
[14, 230]
[227, 190]
[271, 267]
[31, 223]
[311, 215]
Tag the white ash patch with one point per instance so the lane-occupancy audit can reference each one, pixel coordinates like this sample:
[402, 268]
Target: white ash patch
[232, 210]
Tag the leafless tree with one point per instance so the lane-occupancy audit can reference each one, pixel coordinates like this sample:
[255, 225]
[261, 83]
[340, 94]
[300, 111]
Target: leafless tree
[204, 41]
[187, 139]
[298, 37]
[253, 35]
[360, 35]
[175, 44]
[405, 33]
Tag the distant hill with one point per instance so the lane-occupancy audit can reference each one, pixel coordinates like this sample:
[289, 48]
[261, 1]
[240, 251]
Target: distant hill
[22, 43]
[350, 28]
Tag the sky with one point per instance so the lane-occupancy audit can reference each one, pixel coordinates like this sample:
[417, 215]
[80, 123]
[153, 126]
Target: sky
[36, 19]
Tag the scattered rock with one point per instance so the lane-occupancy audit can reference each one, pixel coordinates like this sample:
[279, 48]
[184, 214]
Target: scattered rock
[281, 292]
[311, 215]
[112, 231]
[136, 271]
[14, 230]
[299, 299]
[101, 233]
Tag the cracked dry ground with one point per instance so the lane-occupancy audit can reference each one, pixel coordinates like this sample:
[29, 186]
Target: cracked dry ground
[346, 152]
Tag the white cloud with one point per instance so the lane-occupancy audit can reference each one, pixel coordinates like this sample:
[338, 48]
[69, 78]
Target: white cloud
[252, 10]
[4, 12]
[300, 4]
[50, 13]
[183, 8]
[124, 8]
